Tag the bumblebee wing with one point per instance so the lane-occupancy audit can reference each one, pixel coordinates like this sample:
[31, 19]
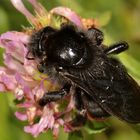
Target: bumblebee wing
[120, 98]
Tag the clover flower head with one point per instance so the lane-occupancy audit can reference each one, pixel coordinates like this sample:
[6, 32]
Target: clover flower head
[20, 76]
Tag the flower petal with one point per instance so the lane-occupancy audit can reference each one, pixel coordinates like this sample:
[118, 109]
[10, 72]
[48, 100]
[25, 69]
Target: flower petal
[15, 36]
[47, 121]
[13, 64]
[7, 79]
[25, 105]
[19, 93]
[31, 113]
[56, 127]
[25, 84]
[69, 14]
[21, 116]
[30, 67]
[31, 129]
[14, 43]
[2, 87]
[20, 7]
[38, 7]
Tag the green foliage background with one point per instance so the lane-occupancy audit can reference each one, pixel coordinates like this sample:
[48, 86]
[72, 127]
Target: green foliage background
[120, 20]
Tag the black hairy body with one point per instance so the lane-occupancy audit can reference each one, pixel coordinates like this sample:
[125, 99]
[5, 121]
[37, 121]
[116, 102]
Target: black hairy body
[77, 58]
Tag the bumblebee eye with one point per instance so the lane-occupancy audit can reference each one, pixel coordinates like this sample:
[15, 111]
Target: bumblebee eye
[47, 31]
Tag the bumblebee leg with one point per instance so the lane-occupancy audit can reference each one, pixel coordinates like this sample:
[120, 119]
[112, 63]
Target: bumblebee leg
[96, 112]
[116, 48]
[54, 95]
[77, 97]
[77, 122]
[93, 109]
[80, 118]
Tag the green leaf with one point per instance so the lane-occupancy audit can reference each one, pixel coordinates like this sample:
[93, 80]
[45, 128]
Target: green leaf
[62, 135]
[95, 127]
[104, 18]
[76, 135]
[131, 64]
[1, 56]
[4, 24]
[135, 127]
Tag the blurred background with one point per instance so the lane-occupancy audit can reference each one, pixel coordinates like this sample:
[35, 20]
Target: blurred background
[119, 20]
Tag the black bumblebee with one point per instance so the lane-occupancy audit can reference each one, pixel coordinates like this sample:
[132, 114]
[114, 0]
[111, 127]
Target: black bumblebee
[78, 59]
